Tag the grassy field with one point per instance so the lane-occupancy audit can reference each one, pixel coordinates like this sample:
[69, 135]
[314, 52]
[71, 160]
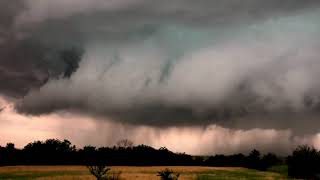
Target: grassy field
[134, 173]
[281, 169]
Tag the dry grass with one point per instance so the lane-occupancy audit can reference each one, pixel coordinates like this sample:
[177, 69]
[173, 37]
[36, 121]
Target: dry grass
[128, 173]
[7, 169]
[126, 169]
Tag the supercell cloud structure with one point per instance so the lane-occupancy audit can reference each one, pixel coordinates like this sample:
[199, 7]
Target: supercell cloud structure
[239, 64]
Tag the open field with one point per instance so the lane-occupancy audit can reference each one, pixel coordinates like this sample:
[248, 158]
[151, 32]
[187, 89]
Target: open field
[133, 173]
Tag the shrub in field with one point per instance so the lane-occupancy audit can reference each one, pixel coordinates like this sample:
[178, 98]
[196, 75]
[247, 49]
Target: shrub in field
[304, 163]
[99, 171]
[102, 172]
[168, 174]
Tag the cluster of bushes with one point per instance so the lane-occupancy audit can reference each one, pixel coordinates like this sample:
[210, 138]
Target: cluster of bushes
[303, 163]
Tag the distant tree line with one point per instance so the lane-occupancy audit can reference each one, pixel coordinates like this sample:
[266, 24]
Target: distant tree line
[303, 163]
[253, 161]
[56, 152]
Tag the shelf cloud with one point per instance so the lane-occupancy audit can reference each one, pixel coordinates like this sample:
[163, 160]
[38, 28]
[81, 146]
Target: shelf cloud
[248, 64]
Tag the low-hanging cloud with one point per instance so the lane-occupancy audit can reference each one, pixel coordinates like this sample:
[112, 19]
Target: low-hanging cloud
[194, 140]
[249, 64]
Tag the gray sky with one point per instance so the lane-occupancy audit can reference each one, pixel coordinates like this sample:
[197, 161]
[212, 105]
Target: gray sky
[179, 66]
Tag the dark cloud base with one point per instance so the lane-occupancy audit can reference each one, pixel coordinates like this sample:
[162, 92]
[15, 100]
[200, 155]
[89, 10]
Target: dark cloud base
[37, 49]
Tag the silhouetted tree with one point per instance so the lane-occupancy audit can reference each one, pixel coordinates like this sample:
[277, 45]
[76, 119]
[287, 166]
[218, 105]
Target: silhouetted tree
[52, 151]
[304, 163]
[10, 155]
[10, 147]
[125, 143]
[89, 155]
[254, 160]
[269, 160]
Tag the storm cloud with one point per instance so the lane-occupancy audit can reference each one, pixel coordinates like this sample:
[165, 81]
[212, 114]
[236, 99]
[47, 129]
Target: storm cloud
[248, 64]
